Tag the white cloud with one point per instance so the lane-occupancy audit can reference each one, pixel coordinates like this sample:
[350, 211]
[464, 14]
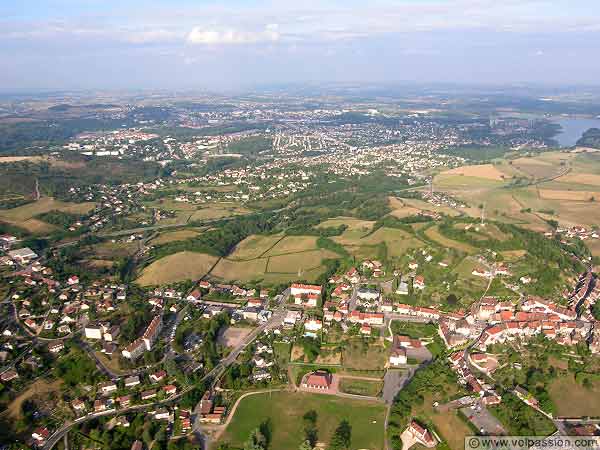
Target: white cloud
[202, 36]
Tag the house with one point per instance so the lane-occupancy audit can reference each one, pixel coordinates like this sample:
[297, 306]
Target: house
[147, 395]
[255, 303]
[352, 276]
[132, 381]
[365, 329]
[250, 313]
[137, 445]
[398, 356]
[313, 325]
[55, 347]
[419, 282]
[305, 289]
[291, 317]
[73, 279]
[107, 387]
[158, 376]
[367, 294]
[112, 334]
[421, 434]
[306, 300]
[320, 380]
[23, 255]
[124, 401]
[170, 389]
[93, 332]
[40, 435]
[162, 414]
[78, 405]
[194, 296]
[8, 375]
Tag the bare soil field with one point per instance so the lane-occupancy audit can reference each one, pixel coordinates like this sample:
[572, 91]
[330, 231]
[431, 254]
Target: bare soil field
[233, 336]
[178, 267]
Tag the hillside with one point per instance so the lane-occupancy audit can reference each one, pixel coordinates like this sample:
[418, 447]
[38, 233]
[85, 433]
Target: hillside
[591, 138]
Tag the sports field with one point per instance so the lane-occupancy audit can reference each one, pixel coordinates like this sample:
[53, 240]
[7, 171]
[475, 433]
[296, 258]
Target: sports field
[177, 267]
[366, 419]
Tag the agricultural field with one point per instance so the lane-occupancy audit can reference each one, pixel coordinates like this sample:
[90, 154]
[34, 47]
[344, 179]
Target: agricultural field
[177, 267]
[24, 216]
[366, 419]
[401, 209]
[484, 171]
[274, 259]
[113, 250]
[217, 211]
[254, 246]
[567, 198]
[357, 228]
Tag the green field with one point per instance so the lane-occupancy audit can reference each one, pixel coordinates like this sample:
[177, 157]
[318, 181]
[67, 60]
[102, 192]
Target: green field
[254, 246]
[177, 267]
[359, 354]
[172, 236]
[366, 388]
[434, 234]
[572, 399]
[366, 419]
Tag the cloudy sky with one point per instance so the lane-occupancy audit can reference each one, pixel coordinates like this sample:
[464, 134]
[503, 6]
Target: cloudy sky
[231, 44]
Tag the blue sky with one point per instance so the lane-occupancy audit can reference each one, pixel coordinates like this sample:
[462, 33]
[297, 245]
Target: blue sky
[233, 44]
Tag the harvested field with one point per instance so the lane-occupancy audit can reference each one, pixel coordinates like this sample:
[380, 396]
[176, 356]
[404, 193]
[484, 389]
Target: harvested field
[254, 246]
[580, 196]
[177, 267]
[487, 171]
[581, 178]
[293, 244]
[227, 269]
[295, 262]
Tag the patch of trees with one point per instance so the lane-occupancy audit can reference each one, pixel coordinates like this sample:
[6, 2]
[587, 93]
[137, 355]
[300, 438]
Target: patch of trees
[59, 218]
[328, 244]
[520, 419]
[76, 369]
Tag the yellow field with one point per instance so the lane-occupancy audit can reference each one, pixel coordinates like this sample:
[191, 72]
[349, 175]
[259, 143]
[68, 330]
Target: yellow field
[298, 262]
[240, 270]
[180, 235]
[486, 171]
[177, 267]
[254, 246]
[434, 234]
[293, 244]
[581, 178]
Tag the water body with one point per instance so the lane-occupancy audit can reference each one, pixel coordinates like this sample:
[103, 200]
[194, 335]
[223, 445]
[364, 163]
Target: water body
[572, 129]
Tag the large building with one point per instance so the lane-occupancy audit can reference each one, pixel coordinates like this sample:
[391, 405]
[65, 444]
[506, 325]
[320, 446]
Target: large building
[146, 341]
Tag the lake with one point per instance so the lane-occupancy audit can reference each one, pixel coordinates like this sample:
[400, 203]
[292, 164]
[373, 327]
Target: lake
[572, 129]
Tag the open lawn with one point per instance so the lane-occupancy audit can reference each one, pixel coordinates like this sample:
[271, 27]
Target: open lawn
[572, 399]
[359, 354]
[177, 267]
[365, 418]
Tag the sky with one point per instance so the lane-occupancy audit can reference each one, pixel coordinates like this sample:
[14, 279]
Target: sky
[237, 44]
